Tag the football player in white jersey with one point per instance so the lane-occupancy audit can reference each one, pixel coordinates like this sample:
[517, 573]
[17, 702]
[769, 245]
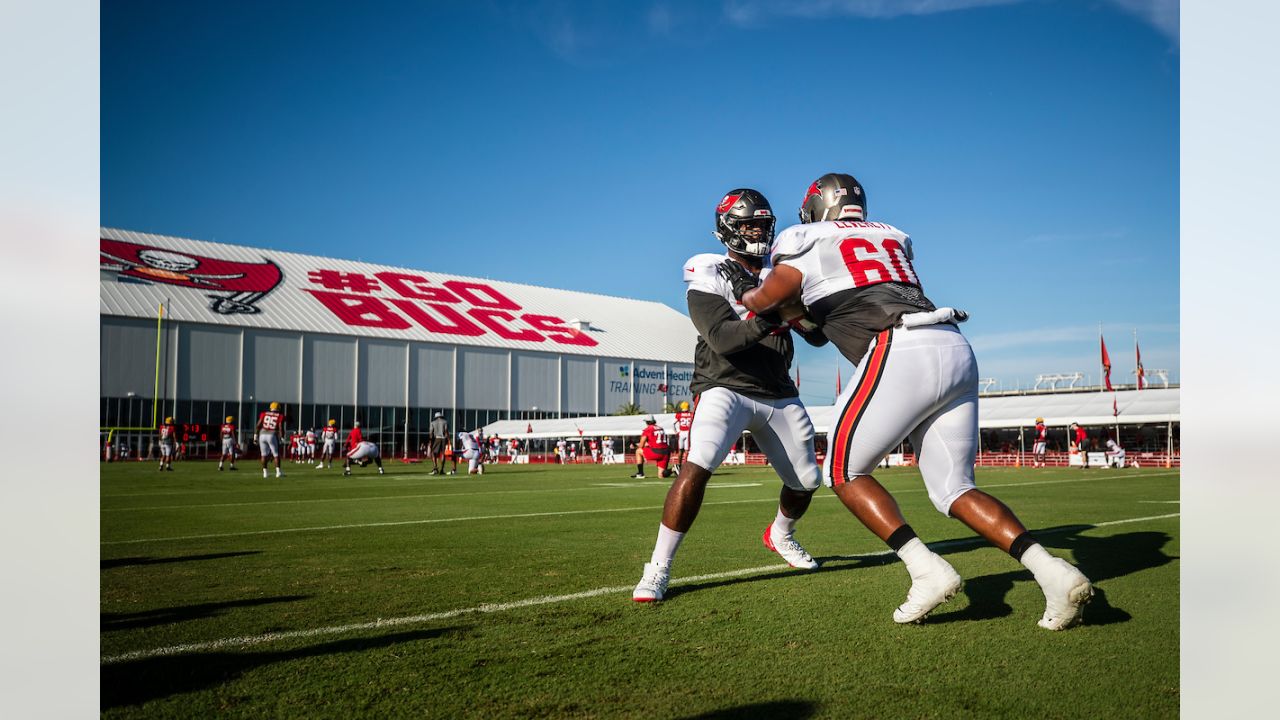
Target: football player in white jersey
[329, 444]
[916, 378]
[741, 381]
[362, 454]
[472, 452]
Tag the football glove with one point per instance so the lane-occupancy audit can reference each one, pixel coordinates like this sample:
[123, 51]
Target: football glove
[739, 278]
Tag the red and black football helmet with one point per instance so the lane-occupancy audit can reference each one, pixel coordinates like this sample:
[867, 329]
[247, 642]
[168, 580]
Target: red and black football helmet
[745, 222]
[834, 196]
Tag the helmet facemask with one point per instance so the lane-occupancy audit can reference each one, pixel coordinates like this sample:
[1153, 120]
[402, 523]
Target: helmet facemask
[749, 236]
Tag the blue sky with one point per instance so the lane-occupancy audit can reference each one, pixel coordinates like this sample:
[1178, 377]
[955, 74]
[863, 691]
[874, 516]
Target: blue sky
[1029, 147]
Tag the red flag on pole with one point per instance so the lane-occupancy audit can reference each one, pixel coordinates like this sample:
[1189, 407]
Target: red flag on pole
[1106, 362]
[530, 428]
[1138, 354]
[1115, 411]
[797, 377]
[838, 388]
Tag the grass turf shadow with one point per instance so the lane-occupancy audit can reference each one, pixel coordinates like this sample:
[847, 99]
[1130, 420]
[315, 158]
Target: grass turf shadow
[128, 561]
[779, 709]
[182, 613]
[1100, 558]
[138, 681]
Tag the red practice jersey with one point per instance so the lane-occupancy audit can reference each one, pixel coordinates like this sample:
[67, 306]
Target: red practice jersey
[271, 421]
[684, 420]
[329, 433]
[1081, 435]
[168, 432]
[1042, 433]
[657, 438]
[354, 438]
[228, 430]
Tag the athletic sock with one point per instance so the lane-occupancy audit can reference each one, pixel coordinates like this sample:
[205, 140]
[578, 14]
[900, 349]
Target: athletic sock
[664, 551]
[639, 468]
[1038, 560]
[783, 525]
[914, 553]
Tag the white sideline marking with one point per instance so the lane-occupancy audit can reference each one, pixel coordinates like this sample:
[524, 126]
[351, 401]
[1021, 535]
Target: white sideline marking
[245, 641]
[1162, 502]
[553, 490]
[432, 521]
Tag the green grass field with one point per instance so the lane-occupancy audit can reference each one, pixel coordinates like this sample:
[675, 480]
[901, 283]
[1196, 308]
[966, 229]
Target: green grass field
[508, 595]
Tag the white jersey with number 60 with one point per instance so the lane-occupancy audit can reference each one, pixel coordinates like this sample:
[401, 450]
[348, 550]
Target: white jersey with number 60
[845, 254]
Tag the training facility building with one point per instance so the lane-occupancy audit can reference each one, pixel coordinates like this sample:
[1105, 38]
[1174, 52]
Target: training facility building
[1145, 422]
[200, 331]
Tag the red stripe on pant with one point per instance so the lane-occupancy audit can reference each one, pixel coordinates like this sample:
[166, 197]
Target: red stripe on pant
[841, 439]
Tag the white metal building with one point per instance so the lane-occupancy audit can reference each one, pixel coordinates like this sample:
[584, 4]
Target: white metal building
[389, 346]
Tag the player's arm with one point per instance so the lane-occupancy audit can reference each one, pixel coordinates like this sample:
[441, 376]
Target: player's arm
[782, 286]
[721, 327]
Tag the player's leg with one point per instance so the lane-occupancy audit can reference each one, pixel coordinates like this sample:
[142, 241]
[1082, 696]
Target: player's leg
[714, 430]
[947, 445]
[785, 433]
[276, 453]
[639, 464]
[894, 389]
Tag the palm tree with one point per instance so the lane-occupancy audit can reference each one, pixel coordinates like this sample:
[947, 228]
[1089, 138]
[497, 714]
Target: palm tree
[629, 409]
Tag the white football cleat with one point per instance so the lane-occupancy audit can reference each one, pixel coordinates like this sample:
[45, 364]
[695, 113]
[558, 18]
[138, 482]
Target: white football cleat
[935, 584]
[790, 550]
[1065, 594]
[653, 584]
[637, 476]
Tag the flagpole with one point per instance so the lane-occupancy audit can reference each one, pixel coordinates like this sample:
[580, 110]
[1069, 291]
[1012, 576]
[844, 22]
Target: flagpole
[1103, 373]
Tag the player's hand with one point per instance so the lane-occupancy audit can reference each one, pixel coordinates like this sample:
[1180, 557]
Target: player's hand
[739, 277]
[771, 320]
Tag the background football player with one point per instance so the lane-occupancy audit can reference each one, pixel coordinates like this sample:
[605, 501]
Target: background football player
[268, 431]
[168, 443]
[684, 421]
[742, 381]
[653, 447]
[916, 378]
[228, 443]
[362, 453]
[328, 444]
[472, 451]
[1040, 444]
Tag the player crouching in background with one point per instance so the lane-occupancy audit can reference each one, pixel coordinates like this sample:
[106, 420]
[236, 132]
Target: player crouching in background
[362, 454]
[653, 447]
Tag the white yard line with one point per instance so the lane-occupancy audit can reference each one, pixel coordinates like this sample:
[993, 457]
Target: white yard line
[471, 518]
[609, 486]
[594, 486]
[381, 623]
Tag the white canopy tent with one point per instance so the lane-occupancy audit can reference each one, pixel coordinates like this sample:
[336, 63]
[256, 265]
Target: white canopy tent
[1004, 411]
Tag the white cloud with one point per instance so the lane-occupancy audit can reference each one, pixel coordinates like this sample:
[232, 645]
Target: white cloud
[1160, 14]
[747, 12]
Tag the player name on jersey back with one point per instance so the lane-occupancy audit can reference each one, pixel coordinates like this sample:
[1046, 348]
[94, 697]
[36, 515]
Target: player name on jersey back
[845, 254]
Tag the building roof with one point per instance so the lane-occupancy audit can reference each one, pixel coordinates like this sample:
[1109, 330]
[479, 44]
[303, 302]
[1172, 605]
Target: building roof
[225, 284]
[1058, 410]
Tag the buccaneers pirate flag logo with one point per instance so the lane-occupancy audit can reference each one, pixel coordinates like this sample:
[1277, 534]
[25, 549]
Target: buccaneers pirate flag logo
[235, 286]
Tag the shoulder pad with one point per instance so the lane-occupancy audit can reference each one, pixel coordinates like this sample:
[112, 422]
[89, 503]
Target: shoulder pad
[791, 242]
[702, 265]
